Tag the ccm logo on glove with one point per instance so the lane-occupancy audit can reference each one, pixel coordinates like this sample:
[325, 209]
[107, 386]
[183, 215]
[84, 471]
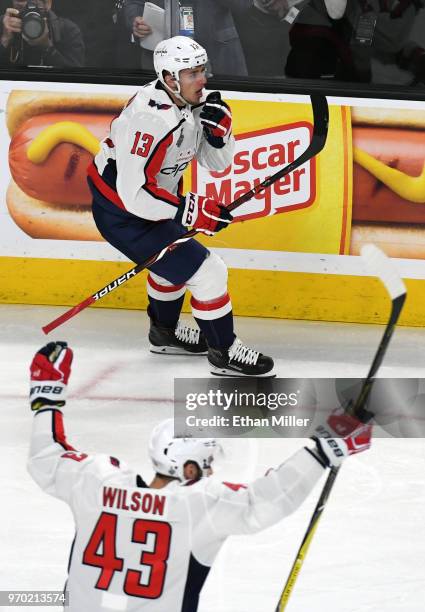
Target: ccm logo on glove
[191, 207]
[203, 214]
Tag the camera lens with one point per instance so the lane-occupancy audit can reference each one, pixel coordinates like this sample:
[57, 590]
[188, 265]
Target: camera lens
[32, 25]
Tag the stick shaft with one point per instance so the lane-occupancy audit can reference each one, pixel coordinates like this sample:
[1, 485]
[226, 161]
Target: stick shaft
[357, 408]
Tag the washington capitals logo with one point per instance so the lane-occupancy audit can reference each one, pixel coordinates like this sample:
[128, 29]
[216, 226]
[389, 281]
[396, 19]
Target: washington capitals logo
[158, 105]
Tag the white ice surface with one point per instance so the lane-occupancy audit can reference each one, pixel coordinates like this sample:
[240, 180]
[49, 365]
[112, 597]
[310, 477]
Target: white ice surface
[368, 554]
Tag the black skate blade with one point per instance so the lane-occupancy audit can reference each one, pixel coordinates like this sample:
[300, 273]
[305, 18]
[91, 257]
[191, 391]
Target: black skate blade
[216, 371]
[174, 350]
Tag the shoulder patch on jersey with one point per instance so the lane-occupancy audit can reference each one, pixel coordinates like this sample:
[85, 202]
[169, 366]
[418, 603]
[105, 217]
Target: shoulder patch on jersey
[234, 486]
[159, 105]
[75, 456]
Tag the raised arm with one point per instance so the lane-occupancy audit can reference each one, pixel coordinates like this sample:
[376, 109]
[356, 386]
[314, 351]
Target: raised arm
[238, 509]
[218, 145]
[54, 464]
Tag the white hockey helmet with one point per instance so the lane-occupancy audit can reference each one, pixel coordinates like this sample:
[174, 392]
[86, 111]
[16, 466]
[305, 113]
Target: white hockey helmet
[175, 54]
[169, 454]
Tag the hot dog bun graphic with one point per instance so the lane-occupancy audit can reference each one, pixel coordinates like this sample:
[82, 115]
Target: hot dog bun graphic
[389, 181]
[54, 137]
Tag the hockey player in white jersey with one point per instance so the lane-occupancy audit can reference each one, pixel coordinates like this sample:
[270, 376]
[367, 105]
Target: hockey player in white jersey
[149, 548]
[138, 205]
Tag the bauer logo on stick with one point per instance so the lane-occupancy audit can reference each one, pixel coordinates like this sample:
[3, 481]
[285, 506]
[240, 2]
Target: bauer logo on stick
[119, 281]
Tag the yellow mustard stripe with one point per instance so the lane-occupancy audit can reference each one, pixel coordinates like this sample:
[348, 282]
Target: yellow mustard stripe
[410, 188]
[256, 293]
[63, 131]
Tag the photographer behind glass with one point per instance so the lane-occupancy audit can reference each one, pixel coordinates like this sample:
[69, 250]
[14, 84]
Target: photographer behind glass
[33, 35]
[369, 41]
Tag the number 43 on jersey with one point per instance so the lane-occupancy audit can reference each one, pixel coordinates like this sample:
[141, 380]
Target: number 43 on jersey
[101, 551]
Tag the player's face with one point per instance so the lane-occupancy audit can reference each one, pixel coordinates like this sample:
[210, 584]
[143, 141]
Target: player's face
[192, 471]
[192, 83]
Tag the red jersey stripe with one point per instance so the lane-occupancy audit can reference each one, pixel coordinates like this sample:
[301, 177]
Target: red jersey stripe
[153, 168]
[107, 191]
[59, 431]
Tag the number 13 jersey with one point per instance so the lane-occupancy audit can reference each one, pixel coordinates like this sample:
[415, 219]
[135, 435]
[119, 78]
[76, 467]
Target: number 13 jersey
[151, 143]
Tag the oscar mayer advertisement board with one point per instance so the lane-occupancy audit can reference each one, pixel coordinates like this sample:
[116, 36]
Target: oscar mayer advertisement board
[292, 250]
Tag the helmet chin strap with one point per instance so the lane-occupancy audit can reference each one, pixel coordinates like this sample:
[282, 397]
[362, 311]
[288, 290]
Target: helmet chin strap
[180, 97]
[176, 92]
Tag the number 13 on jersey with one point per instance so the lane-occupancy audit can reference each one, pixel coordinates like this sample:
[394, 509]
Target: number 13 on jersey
[101, 551]
[145, 141]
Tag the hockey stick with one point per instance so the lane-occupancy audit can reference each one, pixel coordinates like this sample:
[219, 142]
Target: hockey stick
[380, 266]
[318, 140]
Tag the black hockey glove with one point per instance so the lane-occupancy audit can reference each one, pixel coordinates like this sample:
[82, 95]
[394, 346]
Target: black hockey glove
[216, 117]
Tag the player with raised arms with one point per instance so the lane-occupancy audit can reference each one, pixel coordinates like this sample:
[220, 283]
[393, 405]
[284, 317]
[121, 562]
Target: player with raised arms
[138, 206]
[141, 547]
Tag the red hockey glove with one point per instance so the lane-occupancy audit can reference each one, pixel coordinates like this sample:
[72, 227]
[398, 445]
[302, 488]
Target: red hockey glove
[360, 440]
[331, 452]
[216, 117]
[50, 370]
[353, 436]
[204, 214]
[342, 424]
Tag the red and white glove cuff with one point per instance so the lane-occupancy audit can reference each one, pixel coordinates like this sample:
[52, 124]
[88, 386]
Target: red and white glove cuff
[47, 392]
[330, 452]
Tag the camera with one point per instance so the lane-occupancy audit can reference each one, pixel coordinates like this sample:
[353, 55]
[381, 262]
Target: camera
[33, 20]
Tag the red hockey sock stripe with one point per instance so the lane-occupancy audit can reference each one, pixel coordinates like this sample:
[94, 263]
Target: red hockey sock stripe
[164, 293]
[211, 309]
[210, 304]
[163, 288]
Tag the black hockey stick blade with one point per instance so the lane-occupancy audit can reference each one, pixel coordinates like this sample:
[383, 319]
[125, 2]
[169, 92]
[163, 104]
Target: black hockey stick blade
[318, 140]
[320, 109]
[378, 264]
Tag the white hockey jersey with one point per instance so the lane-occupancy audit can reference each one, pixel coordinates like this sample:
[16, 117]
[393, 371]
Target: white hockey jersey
[151, 143]
[140, 549]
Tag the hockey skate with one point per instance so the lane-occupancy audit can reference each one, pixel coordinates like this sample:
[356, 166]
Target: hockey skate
[181, 340]
[240, 360]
